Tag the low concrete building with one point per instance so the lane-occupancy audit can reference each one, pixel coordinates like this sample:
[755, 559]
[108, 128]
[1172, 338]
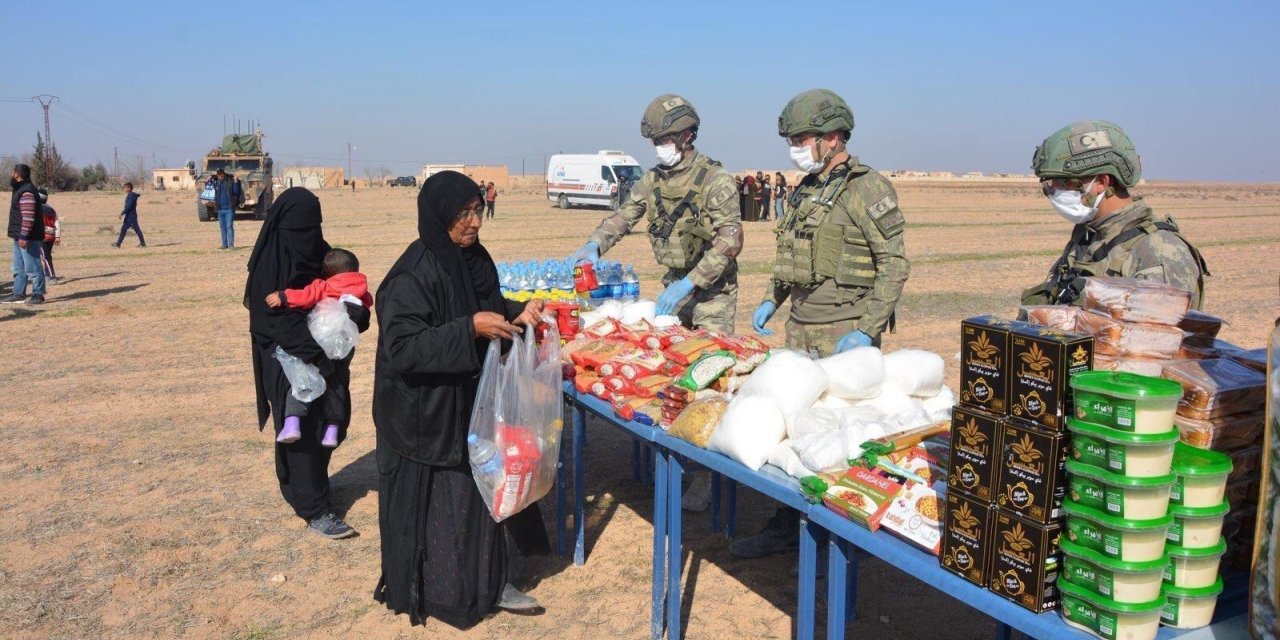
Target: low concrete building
[311, 177]
[179, 179]
[495, 173]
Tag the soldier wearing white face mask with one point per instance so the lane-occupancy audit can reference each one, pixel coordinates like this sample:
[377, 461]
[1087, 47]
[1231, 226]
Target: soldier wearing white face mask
[1086, 171]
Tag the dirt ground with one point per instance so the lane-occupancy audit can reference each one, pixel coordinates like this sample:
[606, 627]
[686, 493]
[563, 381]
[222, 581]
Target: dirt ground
[139, 501]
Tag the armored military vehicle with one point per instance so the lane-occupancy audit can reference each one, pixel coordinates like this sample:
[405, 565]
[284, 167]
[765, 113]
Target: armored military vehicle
[241, 156]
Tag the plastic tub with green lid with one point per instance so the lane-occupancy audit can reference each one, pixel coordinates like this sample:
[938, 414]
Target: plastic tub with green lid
[1126, 401]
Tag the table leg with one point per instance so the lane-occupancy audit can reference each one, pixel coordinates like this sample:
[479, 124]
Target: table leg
[810, 534]
[837, 565]
[851, 586]
[1003, 631]
[732, 526]
[579, 488]
[562, 481]
[715, 502]
[675, 551]
[647, 458]
[656, 618]
[636, 458]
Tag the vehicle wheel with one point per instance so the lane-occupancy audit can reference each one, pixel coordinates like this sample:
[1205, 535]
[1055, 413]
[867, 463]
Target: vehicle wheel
[563, 201]
[202, 212]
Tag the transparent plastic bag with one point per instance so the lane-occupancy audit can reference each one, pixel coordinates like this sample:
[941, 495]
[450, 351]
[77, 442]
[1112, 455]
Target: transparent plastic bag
[516, 423]
[1137, 300]
[305, 382]
[333, 329]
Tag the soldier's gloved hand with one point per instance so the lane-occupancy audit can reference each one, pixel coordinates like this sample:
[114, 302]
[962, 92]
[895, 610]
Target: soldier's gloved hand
[589, 252]
[675, 292]
[761, 316]
[853, 339]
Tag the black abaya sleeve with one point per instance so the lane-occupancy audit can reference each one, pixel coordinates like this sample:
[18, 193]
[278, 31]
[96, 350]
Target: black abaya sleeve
[415, 339]
[513, 309]
[359, 315]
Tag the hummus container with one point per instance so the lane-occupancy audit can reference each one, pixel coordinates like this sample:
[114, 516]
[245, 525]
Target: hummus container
[1196, 528]
[1194, 568]
[1106, 618]
[1190, 608]
[1117, 495]
[1126, 401]
[1123, 582]
[1138, 455]
[1201, 476]
[1128, 540]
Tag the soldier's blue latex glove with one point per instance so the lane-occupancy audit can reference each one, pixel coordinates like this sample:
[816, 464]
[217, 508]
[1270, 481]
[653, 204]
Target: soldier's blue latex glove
[589, 252]
[761, 316]
[853, 339]
[675, 292]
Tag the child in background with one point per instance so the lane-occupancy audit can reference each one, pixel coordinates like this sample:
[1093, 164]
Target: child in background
[52, 235]
[341, 281]
[130, 217]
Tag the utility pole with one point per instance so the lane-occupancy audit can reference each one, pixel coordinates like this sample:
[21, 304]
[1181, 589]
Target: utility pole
[45, 100]
[115, 163]
[349, 175]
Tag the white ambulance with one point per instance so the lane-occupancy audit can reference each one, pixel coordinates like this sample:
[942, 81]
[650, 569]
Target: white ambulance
[602, 179]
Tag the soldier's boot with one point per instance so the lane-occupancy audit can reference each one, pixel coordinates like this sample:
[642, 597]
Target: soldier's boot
[780, 534]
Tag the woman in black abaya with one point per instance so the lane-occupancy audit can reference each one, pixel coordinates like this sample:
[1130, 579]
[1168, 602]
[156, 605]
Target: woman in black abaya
[288, 254]
[443, 556]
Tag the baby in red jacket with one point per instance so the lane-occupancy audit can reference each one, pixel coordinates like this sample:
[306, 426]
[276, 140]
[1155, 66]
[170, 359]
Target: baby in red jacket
[343, 282]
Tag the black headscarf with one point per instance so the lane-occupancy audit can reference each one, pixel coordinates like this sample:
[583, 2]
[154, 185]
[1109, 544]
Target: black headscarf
[439, 202]
[289, 253]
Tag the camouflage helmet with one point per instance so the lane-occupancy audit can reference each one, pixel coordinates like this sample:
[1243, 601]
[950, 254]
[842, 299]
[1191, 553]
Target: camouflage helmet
[815, 111]
[1088, 148]
[668, 113]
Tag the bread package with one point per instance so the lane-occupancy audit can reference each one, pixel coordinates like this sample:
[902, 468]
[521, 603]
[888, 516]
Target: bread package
[1142, 366]
[1217, 387]
[1201, 328]
[1115, 338]
[1137, 300]
[1060, 317]
[1221, 434]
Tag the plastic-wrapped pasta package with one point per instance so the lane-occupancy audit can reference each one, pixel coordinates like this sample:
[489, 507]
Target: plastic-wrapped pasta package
[1137, 300]
[1217, 387]
[1115, 338]
[1060, 317]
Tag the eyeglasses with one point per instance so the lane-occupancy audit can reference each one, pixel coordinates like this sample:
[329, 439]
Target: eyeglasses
[670, 138]
[471, 212]
[1049, 185]
[800, 140]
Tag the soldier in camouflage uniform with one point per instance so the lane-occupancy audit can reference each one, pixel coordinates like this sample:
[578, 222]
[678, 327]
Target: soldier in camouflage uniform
[695, 225]
[1086, 170]
[841, 258]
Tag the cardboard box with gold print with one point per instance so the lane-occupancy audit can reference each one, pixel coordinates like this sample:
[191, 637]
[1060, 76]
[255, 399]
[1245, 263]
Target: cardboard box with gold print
[1041, 361]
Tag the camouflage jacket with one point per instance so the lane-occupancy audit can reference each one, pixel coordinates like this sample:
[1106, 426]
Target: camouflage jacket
[1156, 251]
[854, 264]
[694, 219]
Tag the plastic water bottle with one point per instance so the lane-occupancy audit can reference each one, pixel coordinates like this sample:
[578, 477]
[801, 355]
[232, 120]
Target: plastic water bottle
[602, 278]
[630, 285]
[485, 459]
[614, 280]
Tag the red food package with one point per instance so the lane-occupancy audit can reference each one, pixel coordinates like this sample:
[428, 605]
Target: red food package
[687, 352]
[601, 390]
[662, 338]
[614, 366]
[583, 381]
[676, 394]
[635, 333]
[603, 329]
[669, 416]
[630, 408]
[646, 363]
[602, 353]
[672, 368]
[649, 387]
[520, 456]
[619, 385]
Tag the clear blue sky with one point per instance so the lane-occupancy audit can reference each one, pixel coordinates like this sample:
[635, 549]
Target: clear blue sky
[934, 85]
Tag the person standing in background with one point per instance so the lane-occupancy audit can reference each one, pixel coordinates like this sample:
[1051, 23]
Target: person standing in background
[130, 217]
[225, 202]
[490, 196]
[779, 196]
[52, 235]
[26, 227]
[766, 191]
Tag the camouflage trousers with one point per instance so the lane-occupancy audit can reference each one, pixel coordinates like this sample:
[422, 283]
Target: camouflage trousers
[819, 339]
[713, 308]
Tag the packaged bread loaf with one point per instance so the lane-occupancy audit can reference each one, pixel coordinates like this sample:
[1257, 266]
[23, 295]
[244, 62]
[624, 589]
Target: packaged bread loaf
[1222, 433]
[1141, 366]
[1217, 387]
[1137, 300]
[1115, 338]
[1200, 327]
[1060, 317]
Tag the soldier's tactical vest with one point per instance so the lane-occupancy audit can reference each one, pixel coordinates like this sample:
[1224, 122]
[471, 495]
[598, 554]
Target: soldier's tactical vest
[677, 230]
[1067, 283]
[812, 248]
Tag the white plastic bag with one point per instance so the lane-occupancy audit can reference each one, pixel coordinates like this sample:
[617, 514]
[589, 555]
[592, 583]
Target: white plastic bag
[332, 328]
[793, 381]
[822, 450]
[828, 401]
[917, 372]
[305, 382]
[784, 457]
[633, 312]
[855, 374]
[749, 430]
[516, 424]
[814, 420]
[939, 406]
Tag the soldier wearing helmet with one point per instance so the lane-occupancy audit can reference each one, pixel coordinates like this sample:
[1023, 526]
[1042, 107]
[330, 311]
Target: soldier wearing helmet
[695, 224]
[1087, 170]
[841, 259]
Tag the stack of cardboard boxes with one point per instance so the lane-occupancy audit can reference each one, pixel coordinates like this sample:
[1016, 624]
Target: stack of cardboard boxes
[1009, 445]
